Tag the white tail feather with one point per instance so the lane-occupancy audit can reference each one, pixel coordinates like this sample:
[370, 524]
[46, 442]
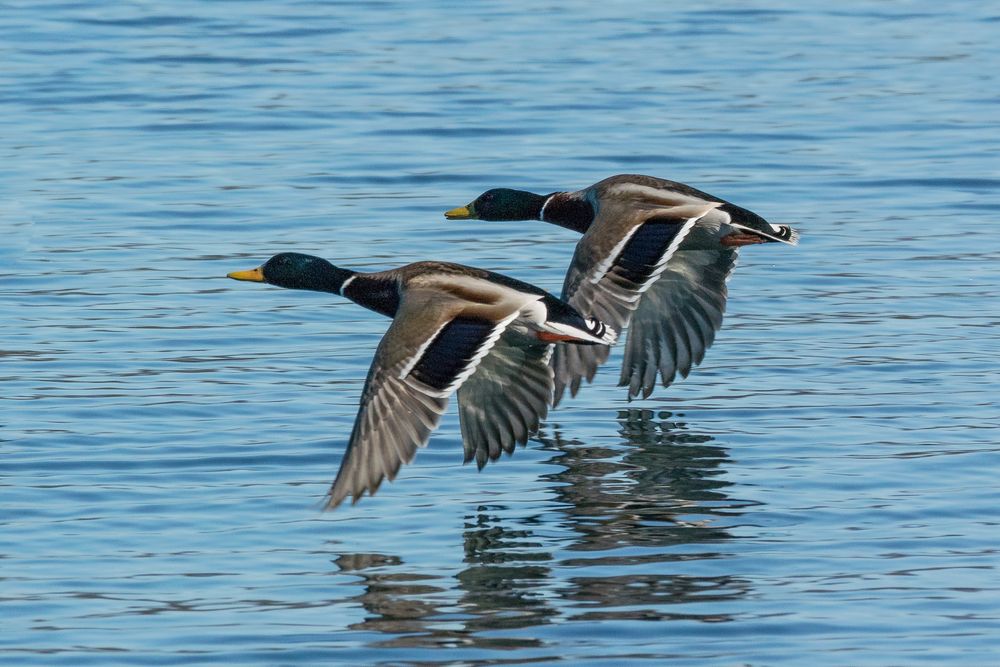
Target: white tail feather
[783, 233]
[596, 331]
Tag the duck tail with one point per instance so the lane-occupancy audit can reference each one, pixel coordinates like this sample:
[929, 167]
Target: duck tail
[780, 233]
[605, 334]
[750, 223]
[592, 332]
[787, 234]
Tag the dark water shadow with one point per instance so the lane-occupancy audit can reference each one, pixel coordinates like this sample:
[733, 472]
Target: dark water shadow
[636, 513]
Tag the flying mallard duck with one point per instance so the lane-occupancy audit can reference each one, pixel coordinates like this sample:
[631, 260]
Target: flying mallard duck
[453, 327]
[654, 252]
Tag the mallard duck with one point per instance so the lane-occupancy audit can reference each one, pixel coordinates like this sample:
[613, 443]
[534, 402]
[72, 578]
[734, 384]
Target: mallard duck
[655, 256]
[454, 328]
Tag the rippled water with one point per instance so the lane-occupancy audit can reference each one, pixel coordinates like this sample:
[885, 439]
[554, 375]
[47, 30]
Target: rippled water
[822, 489]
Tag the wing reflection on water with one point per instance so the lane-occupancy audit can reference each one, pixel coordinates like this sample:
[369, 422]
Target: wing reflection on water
[647, 509]
[507, 569]
[395, 601]
[420, 610]
[641, 522]
[660, 486]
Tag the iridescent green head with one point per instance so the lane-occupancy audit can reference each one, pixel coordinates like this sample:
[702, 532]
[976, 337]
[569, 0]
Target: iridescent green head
[501, 204]
[294, 270]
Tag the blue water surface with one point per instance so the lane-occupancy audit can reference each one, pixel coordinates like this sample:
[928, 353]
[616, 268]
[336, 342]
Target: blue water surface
[821, 490]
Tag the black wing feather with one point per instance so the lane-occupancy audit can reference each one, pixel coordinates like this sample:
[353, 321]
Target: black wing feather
[451, 350]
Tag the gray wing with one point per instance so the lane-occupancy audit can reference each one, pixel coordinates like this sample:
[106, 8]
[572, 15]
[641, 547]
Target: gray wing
[611, 269]
[571, 364]
[428, 351]
[395, 418]
[502, 403]
[677, 318]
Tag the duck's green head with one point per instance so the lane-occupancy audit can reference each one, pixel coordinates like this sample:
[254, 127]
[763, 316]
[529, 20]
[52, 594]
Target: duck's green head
[500, 204]
[294, 270]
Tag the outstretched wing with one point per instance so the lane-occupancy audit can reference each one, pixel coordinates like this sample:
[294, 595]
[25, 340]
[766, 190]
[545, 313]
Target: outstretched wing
[503, 402]
[614, 264]
[429, 350]
[677, 318]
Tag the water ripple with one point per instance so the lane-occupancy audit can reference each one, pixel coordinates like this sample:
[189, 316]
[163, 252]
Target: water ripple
[819, 486]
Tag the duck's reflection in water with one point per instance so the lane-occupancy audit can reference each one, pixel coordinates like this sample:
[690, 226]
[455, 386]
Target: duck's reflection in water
[637, 523]
[660, 485]
[508, 570]
[396, 602]
[643, 510]
[421, 610]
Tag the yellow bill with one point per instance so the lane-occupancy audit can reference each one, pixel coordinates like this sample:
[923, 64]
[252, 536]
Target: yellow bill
[461, 213]
[253, 275]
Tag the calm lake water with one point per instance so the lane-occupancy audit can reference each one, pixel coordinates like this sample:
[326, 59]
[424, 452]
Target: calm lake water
[822, 490]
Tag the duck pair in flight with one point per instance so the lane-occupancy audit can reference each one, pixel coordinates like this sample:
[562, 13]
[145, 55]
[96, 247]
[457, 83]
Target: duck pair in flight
[654, 257]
